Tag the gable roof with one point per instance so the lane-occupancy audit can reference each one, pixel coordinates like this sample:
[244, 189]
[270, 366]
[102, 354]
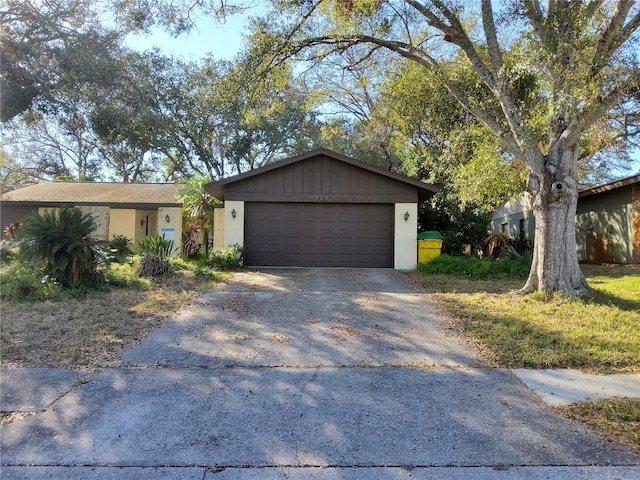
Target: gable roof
[217, 188]
[85, 193]
[605, 187]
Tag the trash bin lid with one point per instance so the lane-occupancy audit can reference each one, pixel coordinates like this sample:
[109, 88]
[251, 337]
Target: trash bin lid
[429, 236]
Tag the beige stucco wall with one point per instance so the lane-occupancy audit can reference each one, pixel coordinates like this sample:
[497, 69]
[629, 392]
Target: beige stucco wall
[218, 227]
[122, 221]
[405, 245]
[100, 214]
[233, 227]
[142, 218]
[175, 222]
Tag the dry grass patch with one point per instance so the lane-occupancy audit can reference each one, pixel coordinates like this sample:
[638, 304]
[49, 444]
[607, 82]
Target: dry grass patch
[95, 330]
[617, 419]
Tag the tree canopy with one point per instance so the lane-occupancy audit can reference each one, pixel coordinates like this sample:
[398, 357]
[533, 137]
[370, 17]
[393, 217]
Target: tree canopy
[538, 76]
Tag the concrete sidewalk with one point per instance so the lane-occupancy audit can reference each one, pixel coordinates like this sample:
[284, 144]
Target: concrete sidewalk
[302, 423]
[563, 387]
[299, 374]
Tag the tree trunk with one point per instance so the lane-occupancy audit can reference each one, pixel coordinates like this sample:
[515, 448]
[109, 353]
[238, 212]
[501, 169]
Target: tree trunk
[555, 259]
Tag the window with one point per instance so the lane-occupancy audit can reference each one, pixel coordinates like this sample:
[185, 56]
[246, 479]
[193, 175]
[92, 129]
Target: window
[523, 233]
[505, 227]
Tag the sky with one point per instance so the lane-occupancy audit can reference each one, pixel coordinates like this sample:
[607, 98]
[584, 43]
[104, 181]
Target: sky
[222, 40]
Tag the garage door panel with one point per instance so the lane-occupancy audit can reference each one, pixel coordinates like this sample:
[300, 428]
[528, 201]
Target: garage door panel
[307, 234]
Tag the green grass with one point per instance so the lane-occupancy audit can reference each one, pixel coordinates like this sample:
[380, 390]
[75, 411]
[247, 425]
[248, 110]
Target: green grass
[598, 334]
[511, 266]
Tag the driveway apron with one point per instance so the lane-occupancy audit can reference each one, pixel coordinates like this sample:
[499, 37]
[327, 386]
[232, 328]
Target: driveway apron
[292, 368]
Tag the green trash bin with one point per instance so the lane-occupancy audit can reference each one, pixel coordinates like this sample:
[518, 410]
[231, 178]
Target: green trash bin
[429, 246]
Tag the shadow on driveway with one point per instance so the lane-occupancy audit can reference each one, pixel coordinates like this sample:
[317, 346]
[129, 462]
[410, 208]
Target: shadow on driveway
[310, 318]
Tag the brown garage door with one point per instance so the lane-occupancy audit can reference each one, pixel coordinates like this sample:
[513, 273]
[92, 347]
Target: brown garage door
[319, 234]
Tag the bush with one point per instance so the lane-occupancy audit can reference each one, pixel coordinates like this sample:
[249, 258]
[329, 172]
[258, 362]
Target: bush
[459, 227]
[478, 268]
[119, 249]
[228, 258]
[62, 242]
[21, 283]
[122, 275]
[156, 252]
[8, 251]
[517, 265]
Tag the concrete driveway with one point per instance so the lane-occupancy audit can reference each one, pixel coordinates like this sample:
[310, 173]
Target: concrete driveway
[303, 373]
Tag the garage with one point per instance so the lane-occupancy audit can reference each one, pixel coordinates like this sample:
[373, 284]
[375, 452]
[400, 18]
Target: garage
[319, 235]
[320, 209]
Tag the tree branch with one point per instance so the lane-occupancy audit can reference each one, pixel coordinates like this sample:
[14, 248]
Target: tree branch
[614, 35]
[601, 106]
[492, 38]
[422, 58]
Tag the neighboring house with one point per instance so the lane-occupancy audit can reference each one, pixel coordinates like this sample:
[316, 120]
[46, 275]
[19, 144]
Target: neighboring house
[134, 210]
[321, 208]
[607, 221]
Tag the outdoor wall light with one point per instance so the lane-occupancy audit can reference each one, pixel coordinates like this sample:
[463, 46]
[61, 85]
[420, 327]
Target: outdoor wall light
[167, 218]
[142, 222]
[234, 213]
[406, 217]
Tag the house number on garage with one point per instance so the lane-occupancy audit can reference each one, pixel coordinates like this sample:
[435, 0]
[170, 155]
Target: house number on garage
[322, 198]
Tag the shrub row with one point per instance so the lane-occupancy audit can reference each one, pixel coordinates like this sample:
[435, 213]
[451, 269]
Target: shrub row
[512, 266]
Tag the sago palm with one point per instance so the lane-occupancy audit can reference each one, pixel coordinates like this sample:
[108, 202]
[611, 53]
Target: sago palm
[61, 241]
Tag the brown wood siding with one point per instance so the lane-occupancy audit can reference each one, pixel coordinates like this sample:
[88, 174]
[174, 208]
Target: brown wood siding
[321, 179]
[319, 235]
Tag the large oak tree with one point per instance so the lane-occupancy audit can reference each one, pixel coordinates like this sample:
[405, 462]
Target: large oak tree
[50, 45]
[552, 71]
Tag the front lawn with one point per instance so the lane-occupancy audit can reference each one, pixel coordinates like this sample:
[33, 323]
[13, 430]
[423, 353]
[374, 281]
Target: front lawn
[617, 419]
[598, 334]
[92, 329]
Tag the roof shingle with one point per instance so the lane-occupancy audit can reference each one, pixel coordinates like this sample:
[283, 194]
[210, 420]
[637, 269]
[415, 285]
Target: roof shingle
[96, 193]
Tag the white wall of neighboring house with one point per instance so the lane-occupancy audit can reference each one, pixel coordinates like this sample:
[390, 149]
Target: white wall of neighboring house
[509, 215]
[405, 250]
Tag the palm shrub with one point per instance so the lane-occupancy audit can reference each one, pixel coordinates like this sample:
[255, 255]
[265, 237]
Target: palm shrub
[119, 248]
[61, 242]
[156, 252]
[517, 265]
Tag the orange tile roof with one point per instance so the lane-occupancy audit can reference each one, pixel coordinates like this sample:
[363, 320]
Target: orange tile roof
[96, 193]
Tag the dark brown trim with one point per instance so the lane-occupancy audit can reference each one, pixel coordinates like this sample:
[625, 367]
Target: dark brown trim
[623, 182]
